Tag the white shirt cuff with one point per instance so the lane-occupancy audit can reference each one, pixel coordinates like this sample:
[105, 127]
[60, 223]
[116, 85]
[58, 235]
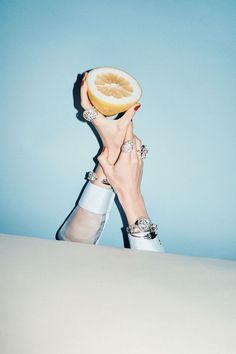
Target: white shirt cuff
[96, 199]
[145, 244]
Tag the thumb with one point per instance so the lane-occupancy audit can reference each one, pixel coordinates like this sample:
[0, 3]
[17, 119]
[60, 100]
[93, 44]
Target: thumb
[129, 114]
[103, 160]
[129, 132]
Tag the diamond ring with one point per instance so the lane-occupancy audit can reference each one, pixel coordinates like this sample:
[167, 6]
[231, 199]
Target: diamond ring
[143, 151]
[90, 114]
[127, 146]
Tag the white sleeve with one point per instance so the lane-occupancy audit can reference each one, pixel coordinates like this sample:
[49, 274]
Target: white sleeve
[87, 220]
[97, 199]
[139, 243]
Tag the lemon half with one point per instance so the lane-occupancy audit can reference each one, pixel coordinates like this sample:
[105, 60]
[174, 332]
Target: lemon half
[112, 90]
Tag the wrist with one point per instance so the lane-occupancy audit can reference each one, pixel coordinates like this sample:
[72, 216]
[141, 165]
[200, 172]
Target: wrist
[100, 176]
[133, 205]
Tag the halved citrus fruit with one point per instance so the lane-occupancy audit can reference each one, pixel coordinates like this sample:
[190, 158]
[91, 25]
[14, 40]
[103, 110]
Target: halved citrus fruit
[112, 90]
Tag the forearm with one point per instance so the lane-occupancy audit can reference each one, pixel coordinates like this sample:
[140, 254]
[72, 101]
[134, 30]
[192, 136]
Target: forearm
[113, 154]
[134, 207]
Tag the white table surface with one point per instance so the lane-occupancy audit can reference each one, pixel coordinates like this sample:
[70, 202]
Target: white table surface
[66, 298]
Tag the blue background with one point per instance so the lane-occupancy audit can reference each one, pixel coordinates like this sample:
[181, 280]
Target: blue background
[183, 55]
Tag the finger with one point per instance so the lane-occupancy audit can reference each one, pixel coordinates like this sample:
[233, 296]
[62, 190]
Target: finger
[104, 162]
[128, 138]
[129, 132]
[85, 102]
[129, 114]
[138, 144]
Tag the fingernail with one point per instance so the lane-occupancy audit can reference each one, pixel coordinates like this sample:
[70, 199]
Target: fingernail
[137, 107]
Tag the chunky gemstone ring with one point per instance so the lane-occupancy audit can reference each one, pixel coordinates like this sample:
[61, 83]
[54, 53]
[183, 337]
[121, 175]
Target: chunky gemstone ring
[144, 151]
[127, 146]
[90, 114]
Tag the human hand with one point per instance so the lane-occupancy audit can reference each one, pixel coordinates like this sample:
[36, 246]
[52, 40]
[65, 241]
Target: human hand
[112, 132]
[125, 177]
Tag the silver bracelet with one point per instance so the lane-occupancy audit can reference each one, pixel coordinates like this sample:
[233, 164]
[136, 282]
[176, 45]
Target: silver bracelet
[143, 228]
[148, 235]
[143, 224]
[92, 176]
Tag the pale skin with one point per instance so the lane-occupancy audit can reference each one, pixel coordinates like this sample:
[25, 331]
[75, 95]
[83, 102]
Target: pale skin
[123, 170]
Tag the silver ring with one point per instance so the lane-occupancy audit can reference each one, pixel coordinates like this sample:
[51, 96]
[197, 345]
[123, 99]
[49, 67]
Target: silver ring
[90, 114]
[143, 151]
[127, 146]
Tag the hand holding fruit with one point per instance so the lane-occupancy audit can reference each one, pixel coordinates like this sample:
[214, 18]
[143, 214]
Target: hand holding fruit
[112, 132]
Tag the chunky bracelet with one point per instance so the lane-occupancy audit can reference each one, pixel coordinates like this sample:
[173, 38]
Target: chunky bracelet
[143, 224]
[143, 228]
[92, 176]
[150, 235]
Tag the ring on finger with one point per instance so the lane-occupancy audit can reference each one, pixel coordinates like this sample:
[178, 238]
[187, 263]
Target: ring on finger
[90, 114]
[127, 146]
[143, 152]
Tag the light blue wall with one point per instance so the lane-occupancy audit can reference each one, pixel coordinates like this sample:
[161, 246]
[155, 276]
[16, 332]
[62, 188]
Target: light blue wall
[182, 53]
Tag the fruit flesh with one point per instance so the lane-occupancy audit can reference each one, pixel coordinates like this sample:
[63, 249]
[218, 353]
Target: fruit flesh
[111, 109]
[113, 85]
[112, 90]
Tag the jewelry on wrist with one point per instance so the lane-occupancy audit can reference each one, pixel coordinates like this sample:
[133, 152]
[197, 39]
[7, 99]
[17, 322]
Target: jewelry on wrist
[150, 235]
[143, 228]
[142, 224]
[92, 176]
